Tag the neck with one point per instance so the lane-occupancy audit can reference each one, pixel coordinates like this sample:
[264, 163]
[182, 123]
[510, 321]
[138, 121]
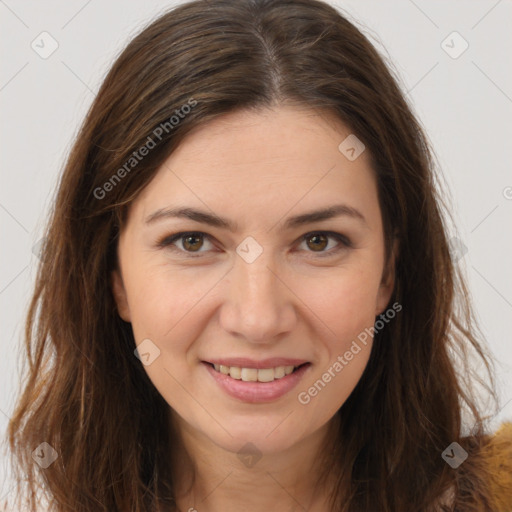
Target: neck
[210, 479]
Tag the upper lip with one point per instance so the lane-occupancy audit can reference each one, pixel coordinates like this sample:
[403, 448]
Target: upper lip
[244, 362]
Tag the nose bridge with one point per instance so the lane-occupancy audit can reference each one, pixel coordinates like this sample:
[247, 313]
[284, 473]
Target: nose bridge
[259, 305]
[256, 282]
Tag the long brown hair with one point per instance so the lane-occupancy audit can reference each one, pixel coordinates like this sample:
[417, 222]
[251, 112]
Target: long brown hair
[89, 398]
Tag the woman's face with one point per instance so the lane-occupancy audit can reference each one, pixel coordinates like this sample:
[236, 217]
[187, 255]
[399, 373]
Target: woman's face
[250, 291]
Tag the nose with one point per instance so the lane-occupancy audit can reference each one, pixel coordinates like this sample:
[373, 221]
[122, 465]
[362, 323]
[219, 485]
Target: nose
[259, 305]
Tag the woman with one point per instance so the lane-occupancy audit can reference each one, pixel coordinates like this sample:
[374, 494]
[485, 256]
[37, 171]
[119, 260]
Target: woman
[246, 297]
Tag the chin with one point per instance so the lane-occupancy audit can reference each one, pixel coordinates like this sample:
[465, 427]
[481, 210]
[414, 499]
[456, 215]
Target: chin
[269, 435]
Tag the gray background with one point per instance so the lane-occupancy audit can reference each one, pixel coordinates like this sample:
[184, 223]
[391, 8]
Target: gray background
[464, 103]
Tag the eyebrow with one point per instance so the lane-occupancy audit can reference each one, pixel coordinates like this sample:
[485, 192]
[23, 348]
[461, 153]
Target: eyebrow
[204, 217]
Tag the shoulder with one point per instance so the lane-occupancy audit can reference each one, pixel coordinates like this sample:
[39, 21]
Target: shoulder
[497, 454]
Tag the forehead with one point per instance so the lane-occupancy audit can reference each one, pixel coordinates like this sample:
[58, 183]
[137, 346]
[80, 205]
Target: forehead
[257, 162]
[248, 138]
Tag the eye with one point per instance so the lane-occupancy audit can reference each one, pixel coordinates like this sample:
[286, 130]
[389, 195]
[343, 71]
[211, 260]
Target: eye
[320, 240]
[192, 241]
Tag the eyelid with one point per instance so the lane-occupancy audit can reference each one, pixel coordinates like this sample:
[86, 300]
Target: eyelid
[168, 242]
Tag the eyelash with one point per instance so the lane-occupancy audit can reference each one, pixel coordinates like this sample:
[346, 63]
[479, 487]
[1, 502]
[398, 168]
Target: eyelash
[167, 242]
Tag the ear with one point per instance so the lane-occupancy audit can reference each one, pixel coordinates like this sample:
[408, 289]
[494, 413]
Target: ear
[387, 284]
[119, 293]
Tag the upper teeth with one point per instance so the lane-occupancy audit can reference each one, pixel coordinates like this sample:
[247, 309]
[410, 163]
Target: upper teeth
[254, 374]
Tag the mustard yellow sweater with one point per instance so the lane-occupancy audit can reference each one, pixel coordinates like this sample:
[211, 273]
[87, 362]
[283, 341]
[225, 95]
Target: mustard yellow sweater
[498, 453]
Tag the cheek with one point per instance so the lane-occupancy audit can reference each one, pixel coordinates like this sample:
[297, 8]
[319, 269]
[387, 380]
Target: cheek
[343, 301]
[160, 301]
[346, 307]
[172, 308]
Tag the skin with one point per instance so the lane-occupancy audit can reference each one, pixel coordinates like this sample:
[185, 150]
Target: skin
[255, 168]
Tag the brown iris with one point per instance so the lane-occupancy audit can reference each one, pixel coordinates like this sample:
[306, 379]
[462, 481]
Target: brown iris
[318, 237]
[190, 246]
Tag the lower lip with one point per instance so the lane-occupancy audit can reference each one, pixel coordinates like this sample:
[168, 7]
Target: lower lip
[256, 392]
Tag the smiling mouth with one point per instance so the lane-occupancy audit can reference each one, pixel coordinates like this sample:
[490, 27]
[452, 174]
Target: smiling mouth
[254, 374]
